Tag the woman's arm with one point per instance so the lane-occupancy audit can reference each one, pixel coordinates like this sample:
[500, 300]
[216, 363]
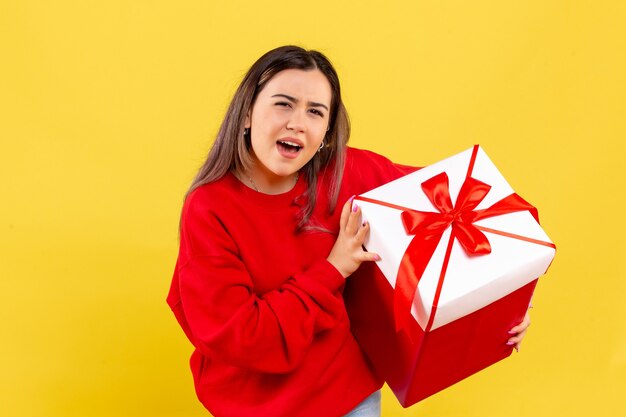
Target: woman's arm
[225, 317]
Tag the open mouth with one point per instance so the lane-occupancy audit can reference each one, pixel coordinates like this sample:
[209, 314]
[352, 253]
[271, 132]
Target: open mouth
[288, 147]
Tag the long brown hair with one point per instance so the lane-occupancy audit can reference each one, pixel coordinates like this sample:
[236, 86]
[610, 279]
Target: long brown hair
[231, 149]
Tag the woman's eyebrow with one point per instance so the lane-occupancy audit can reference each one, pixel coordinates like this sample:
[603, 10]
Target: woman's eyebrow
[295, 100]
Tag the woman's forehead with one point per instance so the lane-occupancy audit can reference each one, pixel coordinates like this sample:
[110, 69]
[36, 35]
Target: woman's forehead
[309, 85]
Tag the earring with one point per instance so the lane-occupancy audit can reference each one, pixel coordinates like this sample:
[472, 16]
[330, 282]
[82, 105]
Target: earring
[321, 146]
[246, 131]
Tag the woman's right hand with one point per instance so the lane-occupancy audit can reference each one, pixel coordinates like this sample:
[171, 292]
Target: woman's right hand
[347, 253]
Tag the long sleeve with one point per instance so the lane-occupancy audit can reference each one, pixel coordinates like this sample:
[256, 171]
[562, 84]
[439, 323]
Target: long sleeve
[228, 317]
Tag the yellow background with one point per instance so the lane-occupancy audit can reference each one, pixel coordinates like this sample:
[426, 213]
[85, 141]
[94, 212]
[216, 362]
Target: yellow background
[107, 109]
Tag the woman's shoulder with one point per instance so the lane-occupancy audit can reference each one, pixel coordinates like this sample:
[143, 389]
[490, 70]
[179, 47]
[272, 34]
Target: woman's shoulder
[358, 155]
[368, 163]
[209, 196]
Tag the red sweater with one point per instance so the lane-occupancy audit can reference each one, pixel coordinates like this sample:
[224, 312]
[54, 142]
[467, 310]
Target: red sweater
[262, 305]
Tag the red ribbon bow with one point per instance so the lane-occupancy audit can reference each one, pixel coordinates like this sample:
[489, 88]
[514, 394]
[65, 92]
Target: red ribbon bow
[428, 228]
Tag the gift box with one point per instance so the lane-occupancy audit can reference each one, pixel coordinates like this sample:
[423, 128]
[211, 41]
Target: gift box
[461, 253]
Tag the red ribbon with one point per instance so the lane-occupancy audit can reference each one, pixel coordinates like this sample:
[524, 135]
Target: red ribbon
[428, 228]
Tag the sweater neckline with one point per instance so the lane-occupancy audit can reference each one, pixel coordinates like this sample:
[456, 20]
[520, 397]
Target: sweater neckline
[268, 200]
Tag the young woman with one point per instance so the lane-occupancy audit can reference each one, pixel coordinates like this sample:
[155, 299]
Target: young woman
[267, 239]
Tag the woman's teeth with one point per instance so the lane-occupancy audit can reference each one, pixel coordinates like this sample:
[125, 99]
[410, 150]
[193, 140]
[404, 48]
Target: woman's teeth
[291, 146]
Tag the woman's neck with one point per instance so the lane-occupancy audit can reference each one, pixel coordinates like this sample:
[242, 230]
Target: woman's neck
[267, 184]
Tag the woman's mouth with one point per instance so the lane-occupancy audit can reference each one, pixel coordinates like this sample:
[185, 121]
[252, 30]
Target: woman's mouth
[288, 149]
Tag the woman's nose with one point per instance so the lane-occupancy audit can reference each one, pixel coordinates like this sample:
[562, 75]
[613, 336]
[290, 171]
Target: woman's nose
[296, 121]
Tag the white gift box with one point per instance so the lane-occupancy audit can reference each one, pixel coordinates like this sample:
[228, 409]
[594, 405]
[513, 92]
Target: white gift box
[471, 282]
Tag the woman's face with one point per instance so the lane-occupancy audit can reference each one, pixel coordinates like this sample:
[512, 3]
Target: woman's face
[288, 122]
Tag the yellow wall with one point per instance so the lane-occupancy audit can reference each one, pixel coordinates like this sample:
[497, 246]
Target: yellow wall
[108, 107]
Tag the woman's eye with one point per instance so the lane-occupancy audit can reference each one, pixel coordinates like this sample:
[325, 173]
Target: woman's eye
[317, 112]
[283, 104]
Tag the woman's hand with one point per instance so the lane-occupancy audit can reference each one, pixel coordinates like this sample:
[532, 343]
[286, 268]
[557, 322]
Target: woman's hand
[519, 331]
[347, 253]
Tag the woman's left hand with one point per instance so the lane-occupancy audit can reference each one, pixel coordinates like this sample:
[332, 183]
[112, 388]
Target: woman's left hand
[519, 332]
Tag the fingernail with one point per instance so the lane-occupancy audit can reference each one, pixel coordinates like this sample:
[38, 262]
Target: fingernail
[355, 208]
[351, 198]
[377, 258]
[511, 332]
[510, 343]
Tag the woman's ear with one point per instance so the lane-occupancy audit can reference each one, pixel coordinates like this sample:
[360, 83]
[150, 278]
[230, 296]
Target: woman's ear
[247, 123]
